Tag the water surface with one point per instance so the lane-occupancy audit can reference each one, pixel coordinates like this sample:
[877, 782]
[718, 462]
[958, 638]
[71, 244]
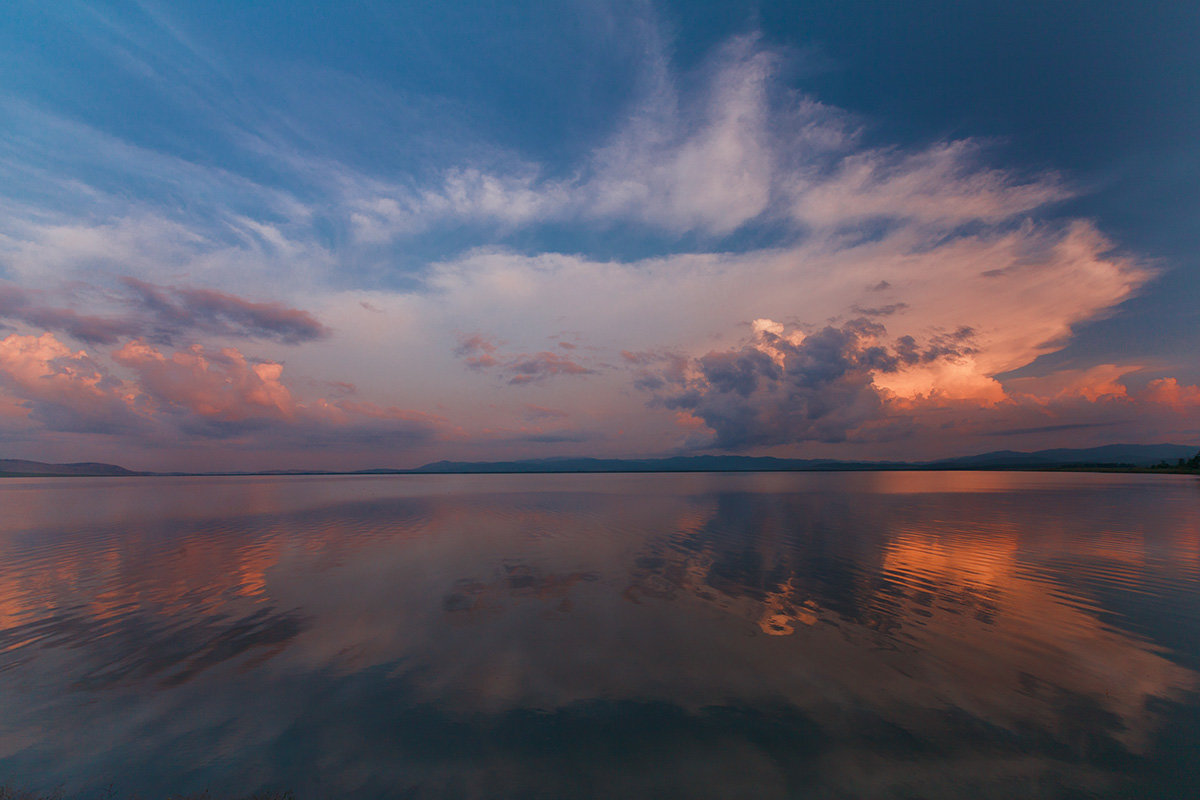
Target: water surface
[710, 635]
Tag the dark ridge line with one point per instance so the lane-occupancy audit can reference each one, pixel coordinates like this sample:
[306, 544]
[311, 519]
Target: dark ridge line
[1160, 458]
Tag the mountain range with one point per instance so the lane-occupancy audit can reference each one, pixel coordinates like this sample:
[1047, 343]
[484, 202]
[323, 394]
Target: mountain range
[1113, 456]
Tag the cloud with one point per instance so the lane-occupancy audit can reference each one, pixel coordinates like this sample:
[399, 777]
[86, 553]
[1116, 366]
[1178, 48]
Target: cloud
[479, 353]
[224, 394]
[536, 412]
[198, 394]
[836, 384]
[1169, 392]
[1021, 291]
[932, 239]
[380, 213]
[161, 314]
[223, 386]
[715, 160]
[20, 305]
[788, 387]
[528, 368]
[942, 185]
[177, 310]
[713, 174]
[64, 390]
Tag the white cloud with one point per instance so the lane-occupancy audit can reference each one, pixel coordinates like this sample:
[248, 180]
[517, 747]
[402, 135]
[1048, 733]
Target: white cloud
[941, 185]
[712, 175]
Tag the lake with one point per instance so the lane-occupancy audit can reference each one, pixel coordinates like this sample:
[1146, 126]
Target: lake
[815, 635]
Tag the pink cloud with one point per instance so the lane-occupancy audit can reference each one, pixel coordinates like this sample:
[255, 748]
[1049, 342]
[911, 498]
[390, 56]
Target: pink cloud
[541, 412]
[172, 398]
[538, 366]
[223, 385]
[63, 389]
[1167, 391]
[480, 353]
[477, 352]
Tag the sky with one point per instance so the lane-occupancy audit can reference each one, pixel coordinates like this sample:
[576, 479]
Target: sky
[344, 235]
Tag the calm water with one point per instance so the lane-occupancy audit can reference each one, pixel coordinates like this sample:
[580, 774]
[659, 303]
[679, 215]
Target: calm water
[613, 636]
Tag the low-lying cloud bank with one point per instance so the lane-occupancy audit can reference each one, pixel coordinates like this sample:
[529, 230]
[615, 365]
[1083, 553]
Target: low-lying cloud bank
[195, 393]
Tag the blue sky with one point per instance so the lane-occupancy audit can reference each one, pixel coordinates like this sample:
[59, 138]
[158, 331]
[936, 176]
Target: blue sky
[346, 234]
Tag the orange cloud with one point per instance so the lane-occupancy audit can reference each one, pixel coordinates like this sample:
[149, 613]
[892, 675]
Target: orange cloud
[1168, 392]
[1102, 380]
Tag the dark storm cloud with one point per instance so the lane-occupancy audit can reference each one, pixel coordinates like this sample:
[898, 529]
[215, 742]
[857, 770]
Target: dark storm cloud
[781, 389]
[939, 346]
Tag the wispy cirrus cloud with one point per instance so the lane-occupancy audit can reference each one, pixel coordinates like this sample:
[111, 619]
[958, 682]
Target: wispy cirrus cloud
[734, 155]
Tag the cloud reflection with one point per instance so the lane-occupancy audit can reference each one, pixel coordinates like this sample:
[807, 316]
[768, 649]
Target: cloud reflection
[777, 634]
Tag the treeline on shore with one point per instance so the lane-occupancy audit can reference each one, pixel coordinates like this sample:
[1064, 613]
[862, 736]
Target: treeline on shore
[1190, 465]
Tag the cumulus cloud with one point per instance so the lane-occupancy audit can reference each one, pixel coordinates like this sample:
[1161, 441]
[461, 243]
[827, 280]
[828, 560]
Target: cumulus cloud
[198, 392]
[838, 384]
[1021, 291]
[222, 385]
[786, 387]
[62, 389]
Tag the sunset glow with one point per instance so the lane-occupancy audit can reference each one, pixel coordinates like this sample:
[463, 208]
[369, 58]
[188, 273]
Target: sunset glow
[321, 254]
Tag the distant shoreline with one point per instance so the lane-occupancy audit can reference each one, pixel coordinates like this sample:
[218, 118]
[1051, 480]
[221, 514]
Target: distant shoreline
[1097, 468]
[1129, 458]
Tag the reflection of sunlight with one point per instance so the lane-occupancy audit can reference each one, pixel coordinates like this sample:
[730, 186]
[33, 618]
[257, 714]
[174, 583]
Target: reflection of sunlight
[924, 481]
[1027, 625]
[779, 612]
[985, 559]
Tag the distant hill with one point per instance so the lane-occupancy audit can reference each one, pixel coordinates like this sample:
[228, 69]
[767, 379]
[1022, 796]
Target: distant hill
[1109, 456]
[671, 464]
[15, 467]
[1114, 455]
[1133, 455]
